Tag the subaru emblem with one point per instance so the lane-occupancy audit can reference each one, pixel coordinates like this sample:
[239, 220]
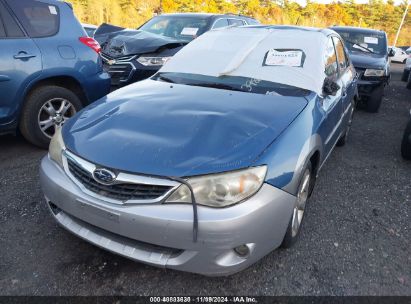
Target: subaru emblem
[104, 176]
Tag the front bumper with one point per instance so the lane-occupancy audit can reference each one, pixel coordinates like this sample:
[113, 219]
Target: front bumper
[97, 86]
[161, 234]
[367, 86]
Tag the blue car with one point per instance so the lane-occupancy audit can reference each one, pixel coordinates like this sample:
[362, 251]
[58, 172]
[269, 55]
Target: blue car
[207, 166]
[49, 68]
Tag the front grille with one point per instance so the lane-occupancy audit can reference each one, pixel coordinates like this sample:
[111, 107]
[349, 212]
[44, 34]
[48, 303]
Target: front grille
[121, 191]
[120, 71]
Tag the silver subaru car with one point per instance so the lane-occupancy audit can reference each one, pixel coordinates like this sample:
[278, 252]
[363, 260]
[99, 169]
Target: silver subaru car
[207, 166]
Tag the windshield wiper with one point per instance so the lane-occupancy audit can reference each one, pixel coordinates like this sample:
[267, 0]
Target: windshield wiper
[215, 86]
[362, 47]
[165, 79]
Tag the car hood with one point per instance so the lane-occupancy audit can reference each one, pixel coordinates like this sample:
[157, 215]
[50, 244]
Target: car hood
[118, 42]
[155, 128]
[368, 60]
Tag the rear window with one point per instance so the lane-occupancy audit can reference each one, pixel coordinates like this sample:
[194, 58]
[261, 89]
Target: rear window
[38, 18]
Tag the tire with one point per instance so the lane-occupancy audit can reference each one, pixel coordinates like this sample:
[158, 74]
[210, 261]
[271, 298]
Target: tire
[404, 76]
[406, 142]
[49, 106]
[408, 86]
[375, 99]
[344, 137]
[303, 194]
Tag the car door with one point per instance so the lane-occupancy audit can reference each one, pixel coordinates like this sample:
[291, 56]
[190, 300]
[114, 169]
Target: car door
[20, 61]
[331, 104]
[346, 75]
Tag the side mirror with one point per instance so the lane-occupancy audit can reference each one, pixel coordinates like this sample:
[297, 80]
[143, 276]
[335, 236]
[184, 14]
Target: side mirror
[391, 53]
[330, 87]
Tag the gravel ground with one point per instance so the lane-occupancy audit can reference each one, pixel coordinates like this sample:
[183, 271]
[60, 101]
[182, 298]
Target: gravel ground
[355, 241]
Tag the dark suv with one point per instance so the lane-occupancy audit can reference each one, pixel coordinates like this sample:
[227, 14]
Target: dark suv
[133, 55]
[49, 68]
[369, 53]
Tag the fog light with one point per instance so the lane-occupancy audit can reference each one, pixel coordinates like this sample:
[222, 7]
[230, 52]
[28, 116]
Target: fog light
[56, 210]
[242, 250]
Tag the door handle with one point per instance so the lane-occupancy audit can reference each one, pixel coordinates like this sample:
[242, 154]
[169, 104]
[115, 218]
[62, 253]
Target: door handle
[344, 94]
[24, 55]
[4, 78]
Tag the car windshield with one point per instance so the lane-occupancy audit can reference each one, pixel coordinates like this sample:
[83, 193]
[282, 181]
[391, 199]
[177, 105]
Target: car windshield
[232, 83]
[178, 27]
[366, 42]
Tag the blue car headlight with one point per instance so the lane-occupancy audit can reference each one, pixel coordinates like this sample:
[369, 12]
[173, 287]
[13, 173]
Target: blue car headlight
[56, 147]
[223, 189]
[374, 72]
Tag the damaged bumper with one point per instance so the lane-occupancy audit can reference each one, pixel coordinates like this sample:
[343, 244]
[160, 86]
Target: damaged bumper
[161, 234]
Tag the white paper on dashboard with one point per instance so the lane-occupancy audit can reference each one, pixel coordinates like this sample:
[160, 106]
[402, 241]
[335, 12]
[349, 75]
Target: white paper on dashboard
[292, 58]
[52, 10]
[371, 40]
[189, 31]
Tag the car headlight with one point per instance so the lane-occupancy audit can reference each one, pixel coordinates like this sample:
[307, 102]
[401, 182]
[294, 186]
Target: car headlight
[221, 190]
[374, 72]
[153, 61]
[56, 147]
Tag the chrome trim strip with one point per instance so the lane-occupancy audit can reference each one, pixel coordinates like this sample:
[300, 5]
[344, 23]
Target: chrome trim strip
[121, 178]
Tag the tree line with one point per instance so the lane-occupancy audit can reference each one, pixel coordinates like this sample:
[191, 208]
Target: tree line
[377, 14]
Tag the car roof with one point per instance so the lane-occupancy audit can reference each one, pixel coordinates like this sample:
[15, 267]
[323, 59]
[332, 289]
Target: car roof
[295, 27]
[211, 15]
[356, 29]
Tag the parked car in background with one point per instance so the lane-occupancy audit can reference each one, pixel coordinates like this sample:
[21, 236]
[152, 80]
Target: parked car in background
[399, 55]
[369, 53]
[406, 75]
[406, 141]
[133, 55]
[207, 166]
[89, 28]
[49, 68]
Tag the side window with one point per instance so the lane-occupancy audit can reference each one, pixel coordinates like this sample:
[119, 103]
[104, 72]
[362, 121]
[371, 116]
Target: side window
[236, 22]
[38, 18]
[331, 67]
[342, 59]
[220, 23]
[10, 26]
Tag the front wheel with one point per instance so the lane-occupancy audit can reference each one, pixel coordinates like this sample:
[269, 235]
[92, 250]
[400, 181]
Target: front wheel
[46, 109]
[303, 194]
[344, 137]
[406, 142]
[409, 81]
[375, 99]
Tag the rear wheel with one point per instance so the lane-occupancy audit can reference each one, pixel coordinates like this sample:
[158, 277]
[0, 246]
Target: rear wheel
[406, 142]
[375, 99]
[303, 194]
[46, 109]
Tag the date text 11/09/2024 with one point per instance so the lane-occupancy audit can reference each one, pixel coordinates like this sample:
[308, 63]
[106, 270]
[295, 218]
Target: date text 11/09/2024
[174, 299]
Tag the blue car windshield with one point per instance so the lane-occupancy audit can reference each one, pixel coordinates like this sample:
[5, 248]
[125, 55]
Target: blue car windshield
[178, 27]
[232, 83]
[366, 42]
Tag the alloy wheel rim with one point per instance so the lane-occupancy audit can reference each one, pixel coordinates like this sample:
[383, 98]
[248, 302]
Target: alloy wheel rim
[302, 196]
[53, 114]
